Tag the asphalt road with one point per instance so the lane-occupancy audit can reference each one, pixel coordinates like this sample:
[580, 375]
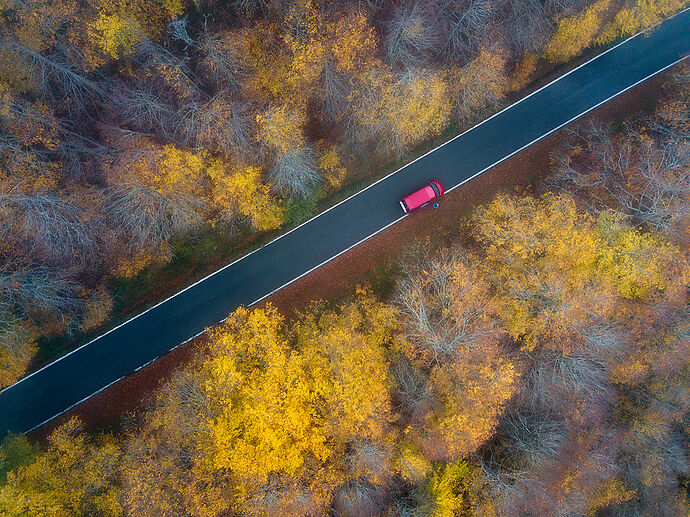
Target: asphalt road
[69, 380]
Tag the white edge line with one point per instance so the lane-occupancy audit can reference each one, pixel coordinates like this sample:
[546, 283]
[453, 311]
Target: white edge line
[370, 186]
[74, 405]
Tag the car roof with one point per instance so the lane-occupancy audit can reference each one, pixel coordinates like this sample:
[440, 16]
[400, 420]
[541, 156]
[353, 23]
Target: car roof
[420, 197]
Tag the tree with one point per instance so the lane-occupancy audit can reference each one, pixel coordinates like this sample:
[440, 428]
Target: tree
[144, 220]
[639, 264]
[465, 24]
[449, 491]
[53, 230]
[282, 424]
[38, 291]
[574, 34]
[638, 15]
[642, 175]
[446, 307]
[163, 466]
[144, 109]
[324, 61]
[218, 125]
[541, 256]
[472, 397]
[399, 112]
[241, 193]
[330, 162]
[281, 128]
[528, 25]
[17, 345]
[116, 36]
[268, 62]
[74, 476]
[222, 62]
[294, 172]
[412, 36]
[447, 318]
[481, 84]
[15, 451]
[155, 193]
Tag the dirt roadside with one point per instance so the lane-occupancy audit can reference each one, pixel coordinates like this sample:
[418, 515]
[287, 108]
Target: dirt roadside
[522, 172]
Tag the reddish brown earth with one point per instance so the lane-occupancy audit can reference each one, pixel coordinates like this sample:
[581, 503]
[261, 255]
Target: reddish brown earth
[522, 172]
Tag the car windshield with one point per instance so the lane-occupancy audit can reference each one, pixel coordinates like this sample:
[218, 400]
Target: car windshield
[435, 188]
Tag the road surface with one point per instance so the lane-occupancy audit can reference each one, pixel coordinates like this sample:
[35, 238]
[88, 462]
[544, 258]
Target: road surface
[71, 379]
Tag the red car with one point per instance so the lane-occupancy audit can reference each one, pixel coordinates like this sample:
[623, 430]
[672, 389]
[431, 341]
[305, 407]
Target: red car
[423, 196]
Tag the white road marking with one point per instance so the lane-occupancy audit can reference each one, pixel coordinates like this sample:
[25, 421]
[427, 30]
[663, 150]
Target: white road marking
[347, 199]
[74, 405]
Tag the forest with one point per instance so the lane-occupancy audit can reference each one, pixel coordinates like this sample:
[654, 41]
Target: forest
[131, 130]
[536, 365]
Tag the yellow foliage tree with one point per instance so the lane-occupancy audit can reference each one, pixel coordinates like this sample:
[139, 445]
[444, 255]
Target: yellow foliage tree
[263, 426]
[352, 340]
[164, 467]
[637, 263]
[574, 34]
[346, 45]
[449, 491]
[242, 192]
[98, 308]
[284, 411]
[637, 15]
[330, 163]
[609, 493]
[168, 170]
[411, 463]
[115, 36]
[17, 348]
[473, 396]
[152, 16]
[268, 61]
[352, 42]
[74, 476]
[542, 256]
[281, 128]
[401, 111]
[480, 84]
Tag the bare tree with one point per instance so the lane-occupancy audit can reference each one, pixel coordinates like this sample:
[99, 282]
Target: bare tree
[369, 459]
[48, 228]
[412, 394]
[178, 31]
[217, 124]
[155, 58]
[53, 74]
[645, 178]
[251, 7]
[446, 307]
[528, 25]
[359, 499]
[333, 91]
[412, 35]
[555, 379]
[38, 288]
[147, 219]
[533, 438]
[221, 60]
[295, 172]
[142, 108]
[465, 26]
